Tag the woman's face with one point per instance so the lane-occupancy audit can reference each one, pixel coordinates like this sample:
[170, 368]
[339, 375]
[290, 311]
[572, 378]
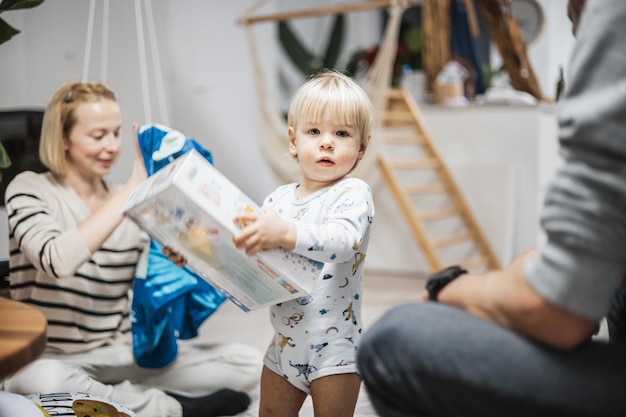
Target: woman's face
[94, 143]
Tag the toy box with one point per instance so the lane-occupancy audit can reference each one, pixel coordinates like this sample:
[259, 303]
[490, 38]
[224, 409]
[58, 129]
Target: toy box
[189, 206]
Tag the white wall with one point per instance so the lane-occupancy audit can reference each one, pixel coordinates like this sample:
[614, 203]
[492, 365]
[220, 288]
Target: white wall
[206, 67]
[553, 47]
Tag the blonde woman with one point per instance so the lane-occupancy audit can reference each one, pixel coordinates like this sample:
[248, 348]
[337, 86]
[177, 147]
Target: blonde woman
[73, 256]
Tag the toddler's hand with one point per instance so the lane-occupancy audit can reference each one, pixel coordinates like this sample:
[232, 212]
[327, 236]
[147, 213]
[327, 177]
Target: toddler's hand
[247, 216]
[175, 257]
[264, 232]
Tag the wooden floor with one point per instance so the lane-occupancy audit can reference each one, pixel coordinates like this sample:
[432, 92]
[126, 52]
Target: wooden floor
[381, 291]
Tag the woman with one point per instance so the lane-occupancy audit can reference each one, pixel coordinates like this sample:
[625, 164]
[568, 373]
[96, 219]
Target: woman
[73, 256]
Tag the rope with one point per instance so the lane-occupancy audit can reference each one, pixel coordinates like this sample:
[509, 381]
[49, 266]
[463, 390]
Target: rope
[380, 74]
[104, 55]
[143, 69]
[158, 76]
[273, 124]
[88, 40]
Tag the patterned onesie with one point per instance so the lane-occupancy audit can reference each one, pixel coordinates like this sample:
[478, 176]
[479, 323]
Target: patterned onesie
[318, 335]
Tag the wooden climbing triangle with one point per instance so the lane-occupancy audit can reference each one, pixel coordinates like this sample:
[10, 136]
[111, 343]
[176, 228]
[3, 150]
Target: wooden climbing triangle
[427, 195]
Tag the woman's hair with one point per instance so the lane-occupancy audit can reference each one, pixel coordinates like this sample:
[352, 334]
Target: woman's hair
[333, 91]
[59, 120]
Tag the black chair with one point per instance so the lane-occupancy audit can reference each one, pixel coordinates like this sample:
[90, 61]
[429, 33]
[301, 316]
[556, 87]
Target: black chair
[19, 134]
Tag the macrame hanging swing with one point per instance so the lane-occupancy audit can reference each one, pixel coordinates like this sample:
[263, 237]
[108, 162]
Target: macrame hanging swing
[376, 83]
[141, 45]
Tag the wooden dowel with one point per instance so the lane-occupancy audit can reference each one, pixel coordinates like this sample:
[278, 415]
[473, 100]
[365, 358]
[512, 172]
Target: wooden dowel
[472, 18]
[338, 9]
[435, 39]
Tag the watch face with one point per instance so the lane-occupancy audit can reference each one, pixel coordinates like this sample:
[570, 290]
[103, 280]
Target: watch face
[529, 17]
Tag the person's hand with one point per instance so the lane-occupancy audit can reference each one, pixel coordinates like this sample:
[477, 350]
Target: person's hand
[574, 11]
[173, 256]
[264, 232]
[139, 173]
[247, 216]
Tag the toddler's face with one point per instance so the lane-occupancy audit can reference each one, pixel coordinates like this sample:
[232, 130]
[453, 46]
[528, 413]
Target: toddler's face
[327, 151]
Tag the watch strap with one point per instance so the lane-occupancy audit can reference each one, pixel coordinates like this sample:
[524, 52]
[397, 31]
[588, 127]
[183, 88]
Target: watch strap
[442, 278]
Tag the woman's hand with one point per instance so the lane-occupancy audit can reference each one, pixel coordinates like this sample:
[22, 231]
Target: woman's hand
[139, 173]
[97, 228]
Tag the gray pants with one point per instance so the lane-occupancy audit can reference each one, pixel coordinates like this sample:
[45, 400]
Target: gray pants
[428, 359]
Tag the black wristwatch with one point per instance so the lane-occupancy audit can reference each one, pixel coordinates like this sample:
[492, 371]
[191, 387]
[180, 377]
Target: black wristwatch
[442, 278]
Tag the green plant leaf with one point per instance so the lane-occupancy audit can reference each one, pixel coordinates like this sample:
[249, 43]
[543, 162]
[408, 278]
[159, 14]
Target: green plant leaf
[6, 31]
[296, 51]
[352, 66]
[5, 161]
[413, 40]
[335, 42]
[18, 4]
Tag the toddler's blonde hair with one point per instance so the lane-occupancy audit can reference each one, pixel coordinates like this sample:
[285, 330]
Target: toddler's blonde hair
[333, 91]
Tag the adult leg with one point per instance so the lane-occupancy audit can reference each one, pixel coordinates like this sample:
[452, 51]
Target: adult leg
[335, 395]
[428, 359]
[207, 379]
[193, 383]
[202, 368]
[54, 375]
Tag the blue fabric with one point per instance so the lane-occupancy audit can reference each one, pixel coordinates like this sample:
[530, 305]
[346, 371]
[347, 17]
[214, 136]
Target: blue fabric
[160, 145]
[474, 52]
[169, 302]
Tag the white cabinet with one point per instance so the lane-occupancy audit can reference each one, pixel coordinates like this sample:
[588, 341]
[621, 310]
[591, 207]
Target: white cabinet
[502, 157]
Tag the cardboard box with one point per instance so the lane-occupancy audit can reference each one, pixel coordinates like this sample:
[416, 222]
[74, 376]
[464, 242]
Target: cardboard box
[189, 206]
[446, 91]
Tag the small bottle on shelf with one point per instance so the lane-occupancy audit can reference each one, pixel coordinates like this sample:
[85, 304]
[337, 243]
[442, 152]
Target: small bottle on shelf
[560, 84]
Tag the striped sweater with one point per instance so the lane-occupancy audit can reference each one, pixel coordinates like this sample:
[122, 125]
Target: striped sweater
[84, 296]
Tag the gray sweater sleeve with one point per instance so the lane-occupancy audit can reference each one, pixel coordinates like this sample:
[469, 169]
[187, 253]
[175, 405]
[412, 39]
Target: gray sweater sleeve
[584, 214]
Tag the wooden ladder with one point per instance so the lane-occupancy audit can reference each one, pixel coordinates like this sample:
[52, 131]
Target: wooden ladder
[430, 200]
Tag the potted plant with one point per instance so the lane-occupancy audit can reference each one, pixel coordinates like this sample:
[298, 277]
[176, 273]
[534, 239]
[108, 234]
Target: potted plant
[7, 32]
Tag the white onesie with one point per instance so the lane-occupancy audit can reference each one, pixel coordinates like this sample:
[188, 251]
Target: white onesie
[318, 335]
